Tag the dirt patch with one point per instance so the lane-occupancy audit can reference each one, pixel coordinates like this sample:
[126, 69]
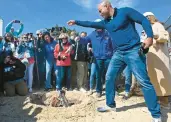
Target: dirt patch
[20, 109]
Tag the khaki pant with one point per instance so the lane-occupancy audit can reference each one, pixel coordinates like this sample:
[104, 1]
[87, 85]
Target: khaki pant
[74, 74]
[82, 71]
[79, 71]
[11, 88]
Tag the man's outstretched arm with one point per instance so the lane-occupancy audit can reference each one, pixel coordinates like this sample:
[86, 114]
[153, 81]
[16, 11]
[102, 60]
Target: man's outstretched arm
[98, 25]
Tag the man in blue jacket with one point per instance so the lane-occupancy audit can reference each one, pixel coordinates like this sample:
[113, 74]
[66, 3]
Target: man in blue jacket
[120, 23]
[102, 51]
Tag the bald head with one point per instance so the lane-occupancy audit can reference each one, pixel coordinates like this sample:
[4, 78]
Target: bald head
[106, 3]
[105, 9]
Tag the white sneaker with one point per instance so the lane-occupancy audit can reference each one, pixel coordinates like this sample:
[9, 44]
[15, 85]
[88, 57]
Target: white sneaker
[126, 94]
[30, 90]
[157, 120]
[83, 90]
[106, 109]
[90, 92]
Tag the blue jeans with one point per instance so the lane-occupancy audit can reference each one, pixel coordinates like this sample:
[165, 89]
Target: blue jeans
[137, 64]
[49, 67]
[101, 67]
[63, 72]
[29, 75]
[128, 78]
[93, 75]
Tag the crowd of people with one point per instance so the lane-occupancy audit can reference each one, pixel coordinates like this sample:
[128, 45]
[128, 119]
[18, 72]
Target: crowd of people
[83, 61]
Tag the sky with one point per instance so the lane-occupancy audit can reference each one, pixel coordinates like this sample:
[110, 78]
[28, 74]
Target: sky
[39, 14]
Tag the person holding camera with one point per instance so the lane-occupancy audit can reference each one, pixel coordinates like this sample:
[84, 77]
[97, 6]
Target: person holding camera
[13, 76]
[63, 61]
[10, 29]
[25, 52]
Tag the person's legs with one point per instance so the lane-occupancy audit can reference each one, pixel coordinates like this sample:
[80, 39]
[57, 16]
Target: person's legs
[21, 88]
[80, 74]
[99, 70]
[74, 74]
[85, 80]
[92, 75]
[164, 101]
[106, 64]
[1, 80]
[137, 64]
[48, 75]
[128, 76]
[61, 74]
[41, 72]
[30, 76]
[9, 89]
[68, 75]
[116, 66]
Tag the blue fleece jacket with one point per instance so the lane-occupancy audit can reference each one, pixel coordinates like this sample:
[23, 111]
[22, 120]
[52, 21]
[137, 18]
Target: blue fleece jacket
[122, 27]
[101, 44]
[15, 33]
[49, 51]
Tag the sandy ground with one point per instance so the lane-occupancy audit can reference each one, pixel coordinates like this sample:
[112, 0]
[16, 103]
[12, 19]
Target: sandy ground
[19, 109]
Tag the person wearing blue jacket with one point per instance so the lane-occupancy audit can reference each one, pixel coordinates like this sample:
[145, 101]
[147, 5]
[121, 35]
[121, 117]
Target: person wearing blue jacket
[120, 23]
[10, 29]
[102, 51]
[50, 44]
[25, 51]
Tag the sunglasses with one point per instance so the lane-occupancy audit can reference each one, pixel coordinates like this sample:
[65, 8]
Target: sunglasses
[39, 34]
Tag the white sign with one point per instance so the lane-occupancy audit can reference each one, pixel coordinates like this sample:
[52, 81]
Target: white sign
[1, 27]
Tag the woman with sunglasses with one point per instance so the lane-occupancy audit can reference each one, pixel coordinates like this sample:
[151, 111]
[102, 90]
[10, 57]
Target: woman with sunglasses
[9, 45]
[40, 59]
[63, 61]
[26, 51]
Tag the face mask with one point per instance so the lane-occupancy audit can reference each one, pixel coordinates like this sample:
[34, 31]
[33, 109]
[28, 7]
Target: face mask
[72, 37]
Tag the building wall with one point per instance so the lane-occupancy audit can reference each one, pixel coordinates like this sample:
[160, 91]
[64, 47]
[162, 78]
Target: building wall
[1, 27]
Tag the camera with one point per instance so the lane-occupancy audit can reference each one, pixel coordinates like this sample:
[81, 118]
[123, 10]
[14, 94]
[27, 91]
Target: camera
[142, 51]
[17, 21]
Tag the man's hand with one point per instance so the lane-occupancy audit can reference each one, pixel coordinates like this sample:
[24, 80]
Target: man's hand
[156, 36]
[90, 50]
[148, 42]
[71, 22]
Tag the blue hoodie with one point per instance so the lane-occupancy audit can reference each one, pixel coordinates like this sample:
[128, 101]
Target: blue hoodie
[101, 44]
[121, 27]
[15, 33]
[49, 51]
